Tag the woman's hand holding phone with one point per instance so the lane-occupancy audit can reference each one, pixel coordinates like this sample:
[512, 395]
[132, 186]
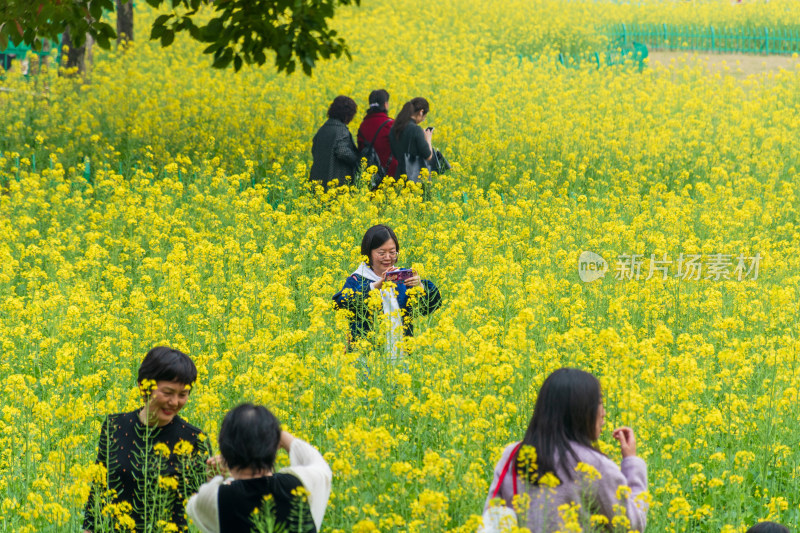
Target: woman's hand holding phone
[414, 281]
[378, 285]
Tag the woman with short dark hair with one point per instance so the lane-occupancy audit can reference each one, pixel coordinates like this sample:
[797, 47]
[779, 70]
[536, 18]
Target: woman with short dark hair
[768, 527]
[334, 152]
[381, 248]
[558, 461]
[249, 439]
[142, 447]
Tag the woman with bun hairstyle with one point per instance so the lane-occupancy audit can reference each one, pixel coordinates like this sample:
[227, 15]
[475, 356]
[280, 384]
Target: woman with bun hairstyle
[567, 467]
[381, 248]
[407, 137]
[376, 125]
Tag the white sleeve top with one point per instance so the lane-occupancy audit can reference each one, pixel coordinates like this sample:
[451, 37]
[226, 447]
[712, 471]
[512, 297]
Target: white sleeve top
[306, 463]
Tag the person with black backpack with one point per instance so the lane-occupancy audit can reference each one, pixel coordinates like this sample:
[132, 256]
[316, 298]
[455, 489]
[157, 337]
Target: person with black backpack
[373, 137]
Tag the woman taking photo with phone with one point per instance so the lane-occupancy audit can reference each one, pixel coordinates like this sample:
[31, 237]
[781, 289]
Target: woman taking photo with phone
[249, 440]
[381, 248]
[558, 462]
[411, 145]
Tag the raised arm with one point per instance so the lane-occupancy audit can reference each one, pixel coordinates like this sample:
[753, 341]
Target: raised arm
[310, 467]
[611, 487]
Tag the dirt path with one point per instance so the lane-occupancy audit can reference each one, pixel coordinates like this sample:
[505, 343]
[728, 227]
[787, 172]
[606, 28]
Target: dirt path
[739, 65]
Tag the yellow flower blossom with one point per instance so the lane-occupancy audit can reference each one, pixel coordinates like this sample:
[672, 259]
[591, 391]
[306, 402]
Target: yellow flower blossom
[183, 448]
[168, 483]
[162, 449]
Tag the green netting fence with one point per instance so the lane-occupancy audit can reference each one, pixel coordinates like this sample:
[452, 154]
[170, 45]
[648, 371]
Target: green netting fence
[19, 53]
[708, 38]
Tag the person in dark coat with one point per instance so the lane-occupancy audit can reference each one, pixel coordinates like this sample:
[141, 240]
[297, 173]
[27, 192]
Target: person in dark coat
[406, 136]
[334, 152]
[377, 122]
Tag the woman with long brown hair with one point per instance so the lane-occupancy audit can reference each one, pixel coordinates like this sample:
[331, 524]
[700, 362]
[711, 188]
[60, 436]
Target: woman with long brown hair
[407, 137]
[558, 461]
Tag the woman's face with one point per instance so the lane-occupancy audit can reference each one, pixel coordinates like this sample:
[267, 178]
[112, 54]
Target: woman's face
[419, 116]
[383, 257]
[601, 419]
[166, 400]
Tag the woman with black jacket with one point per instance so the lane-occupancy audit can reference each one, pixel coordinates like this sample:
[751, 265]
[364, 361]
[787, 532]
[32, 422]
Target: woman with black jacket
[334, 152]
[407, 137]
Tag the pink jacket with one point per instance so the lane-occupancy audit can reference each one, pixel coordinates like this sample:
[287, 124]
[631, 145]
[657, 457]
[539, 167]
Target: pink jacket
[543, 516]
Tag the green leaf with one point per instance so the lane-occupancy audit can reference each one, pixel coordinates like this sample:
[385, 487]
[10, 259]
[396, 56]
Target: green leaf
[103, 41]
[213, 48]
[167, 37]
[96, 10]
[224, 59]
[213, 28]
[195, 32]
[161, 20]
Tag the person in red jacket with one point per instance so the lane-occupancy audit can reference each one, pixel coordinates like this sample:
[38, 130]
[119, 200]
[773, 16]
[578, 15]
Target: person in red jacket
[377, 118]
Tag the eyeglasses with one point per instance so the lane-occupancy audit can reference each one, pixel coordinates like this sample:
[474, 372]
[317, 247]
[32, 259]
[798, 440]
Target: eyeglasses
[383, 254]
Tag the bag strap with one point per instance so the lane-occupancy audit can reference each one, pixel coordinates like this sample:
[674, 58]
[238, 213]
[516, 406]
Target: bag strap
[510, 459]
[377, 132]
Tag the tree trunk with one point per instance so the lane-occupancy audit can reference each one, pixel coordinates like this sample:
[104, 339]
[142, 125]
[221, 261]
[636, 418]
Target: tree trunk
[124, 20]
[89, 52]
[76, 57]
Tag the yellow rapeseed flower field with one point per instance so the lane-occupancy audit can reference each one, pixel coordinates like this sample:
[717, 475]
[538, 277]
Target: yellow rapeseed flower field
[163, 202]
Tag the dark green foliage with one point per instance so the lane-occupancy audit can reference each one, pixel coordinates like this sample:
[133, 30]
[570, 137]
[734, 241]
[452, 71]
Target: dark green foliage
[29, 21]
[239, 32]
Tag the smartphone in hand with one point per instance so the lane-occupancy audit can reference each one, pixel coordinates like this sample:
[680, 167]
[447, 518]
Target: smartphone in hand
[399, 275]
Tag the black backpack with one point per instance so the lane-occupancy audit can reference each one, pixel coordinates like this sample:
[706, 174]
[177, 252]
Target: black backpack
[371, 155]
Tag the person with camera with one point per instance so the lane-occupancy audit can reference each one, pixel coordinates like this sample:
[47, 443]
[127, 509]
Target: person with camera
[248, 493]
[374, 130]
[381, 248]
[411, 145]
